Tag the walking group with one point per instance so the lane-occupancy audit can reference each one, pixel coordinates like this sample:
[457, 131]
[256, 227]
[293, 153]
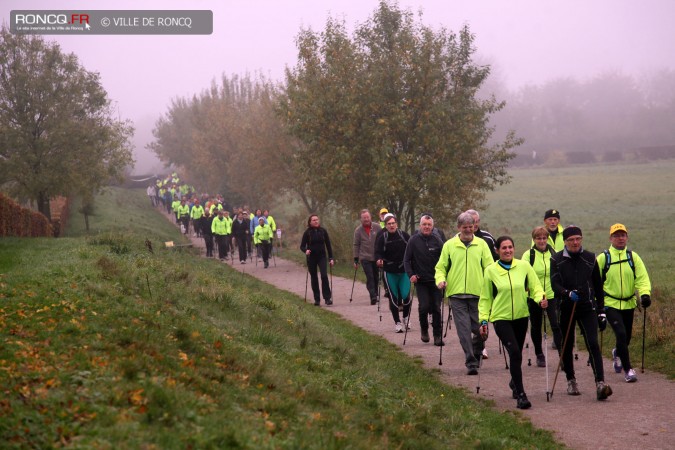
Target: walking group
[484, 282]
[209, 218]
[556, 278]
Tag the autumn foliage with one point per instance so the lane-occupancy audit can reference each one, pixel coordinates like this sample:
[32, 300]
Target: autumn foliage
[16, 220]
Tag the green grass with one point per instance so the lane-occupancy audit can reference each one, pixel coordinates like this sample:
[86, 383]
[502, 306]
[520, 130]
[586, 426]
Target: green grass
[106, 345]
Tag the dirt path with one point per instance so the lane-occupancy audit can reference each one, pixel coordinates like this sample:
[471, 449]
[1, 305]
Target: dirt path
[638, 415]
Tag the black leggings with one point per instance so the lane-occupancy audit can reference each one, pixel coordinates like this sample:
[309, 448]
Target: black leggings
[588, 323]
[512, 334]
[430, 298]
[621, 321]
[537, 319]
[372, 277]
[312, 263]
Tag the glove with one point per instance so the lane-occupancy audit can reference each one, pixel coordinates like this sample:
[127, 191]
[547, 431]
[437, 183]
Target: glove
[602, 321]
[645, 300]
[484, 330]
[574, 296]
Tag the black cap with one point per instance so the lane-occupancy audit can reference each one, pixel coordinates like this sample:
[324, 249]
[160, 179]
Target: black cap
[572, 230]
[552, 213]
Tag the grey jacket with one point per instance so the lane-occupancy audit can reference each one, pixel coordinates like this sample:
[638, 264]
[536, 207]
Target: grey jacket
[364, 245]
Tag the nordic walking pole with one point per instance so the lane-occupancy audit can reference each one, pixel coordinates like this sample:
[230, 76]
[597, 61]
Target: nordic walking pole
[306, 278]
[448, 326]
[529, 354]
[546, 357]
[353, 283]
[275, 264]
[480, 365]
[506, 364]
[412, 297]
[440, 356]
[380, 281]
[644, 332]
[562, 352]
[330, 267]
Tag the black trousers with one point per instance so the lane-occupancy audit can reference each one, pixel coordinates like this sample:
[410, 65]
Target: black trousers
[221, 240]
[430, 298]
[208, 240]
[241, 244]
[312, 263]
[621, 321]
[588, 323]
[512, 334]
[265, 248]
[372, 277]
[537, 318]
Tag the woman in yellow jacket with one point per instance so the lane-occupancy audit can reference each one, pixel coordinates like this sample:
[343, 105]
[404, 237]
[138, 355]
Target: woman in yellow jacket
[503, 301]
[539, 257]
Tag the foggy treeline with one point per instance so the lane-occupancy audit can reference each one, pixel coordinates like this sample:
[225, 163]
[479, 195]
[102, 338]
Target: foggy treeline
[607, 117]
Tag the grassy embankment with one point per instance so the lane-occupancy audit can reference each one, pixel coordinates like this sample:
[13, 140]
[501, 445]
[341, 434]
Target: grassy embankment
[106, 345]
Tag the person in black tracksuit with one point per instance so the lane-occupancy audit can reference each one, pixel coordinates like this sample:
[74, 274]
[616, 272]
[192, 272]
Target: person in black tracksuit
[390, 247]
[315, 243]
[206, 222]
[421, 255]
[577, 285]
[240, 230]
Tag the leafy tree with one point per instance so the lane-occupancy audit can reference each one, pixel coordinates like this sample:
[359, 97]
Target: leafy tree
[390, 116]
[57, 134]
[230, 140]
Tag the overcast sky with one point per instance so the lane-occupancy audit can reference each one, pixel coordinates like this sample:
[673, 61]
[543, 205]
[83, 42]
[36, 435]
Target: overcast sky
[527, 41]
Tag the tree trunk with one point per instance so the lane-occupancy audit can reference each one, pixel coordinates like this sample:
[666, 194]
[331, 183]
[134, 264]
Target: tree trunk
[86, 221]
[43, 205]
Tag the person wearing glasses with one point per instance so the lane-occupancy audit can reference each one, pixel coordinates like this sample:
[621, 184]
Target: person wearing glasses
[539, 257]
[577, 285]
[390, 248]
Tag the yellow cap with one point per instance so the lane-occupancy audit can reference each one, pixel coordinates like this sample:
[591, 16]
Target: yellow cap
[383, 211]
[617, 227]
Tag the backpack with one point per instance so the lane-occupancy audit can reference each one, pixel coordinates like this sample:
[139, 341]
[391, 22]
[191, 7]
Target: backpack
[629, 259]
[548, 247]
[386, 236]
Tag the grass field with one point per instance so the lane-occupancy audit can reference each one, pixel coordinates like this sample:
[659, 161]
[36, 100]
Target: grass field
[107, 345]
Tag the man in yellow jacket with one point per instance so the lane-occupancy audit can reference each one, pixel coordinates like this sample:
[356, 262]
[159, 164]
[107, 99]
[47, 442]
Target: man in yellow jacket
[460, 272]
[623, 272]
[221, 227]
[262, 236]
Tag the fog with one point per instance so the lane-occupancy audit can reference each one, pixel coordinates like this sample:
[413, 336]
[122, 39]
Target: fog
[527, 42]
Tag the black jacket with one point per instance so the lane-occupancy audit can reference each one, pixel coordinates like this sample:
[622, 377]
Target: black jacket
[489, 240]
[421, 256]
[580, 272]
[239, 229]
[390, 247]
[206, 225]
[317, 241]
